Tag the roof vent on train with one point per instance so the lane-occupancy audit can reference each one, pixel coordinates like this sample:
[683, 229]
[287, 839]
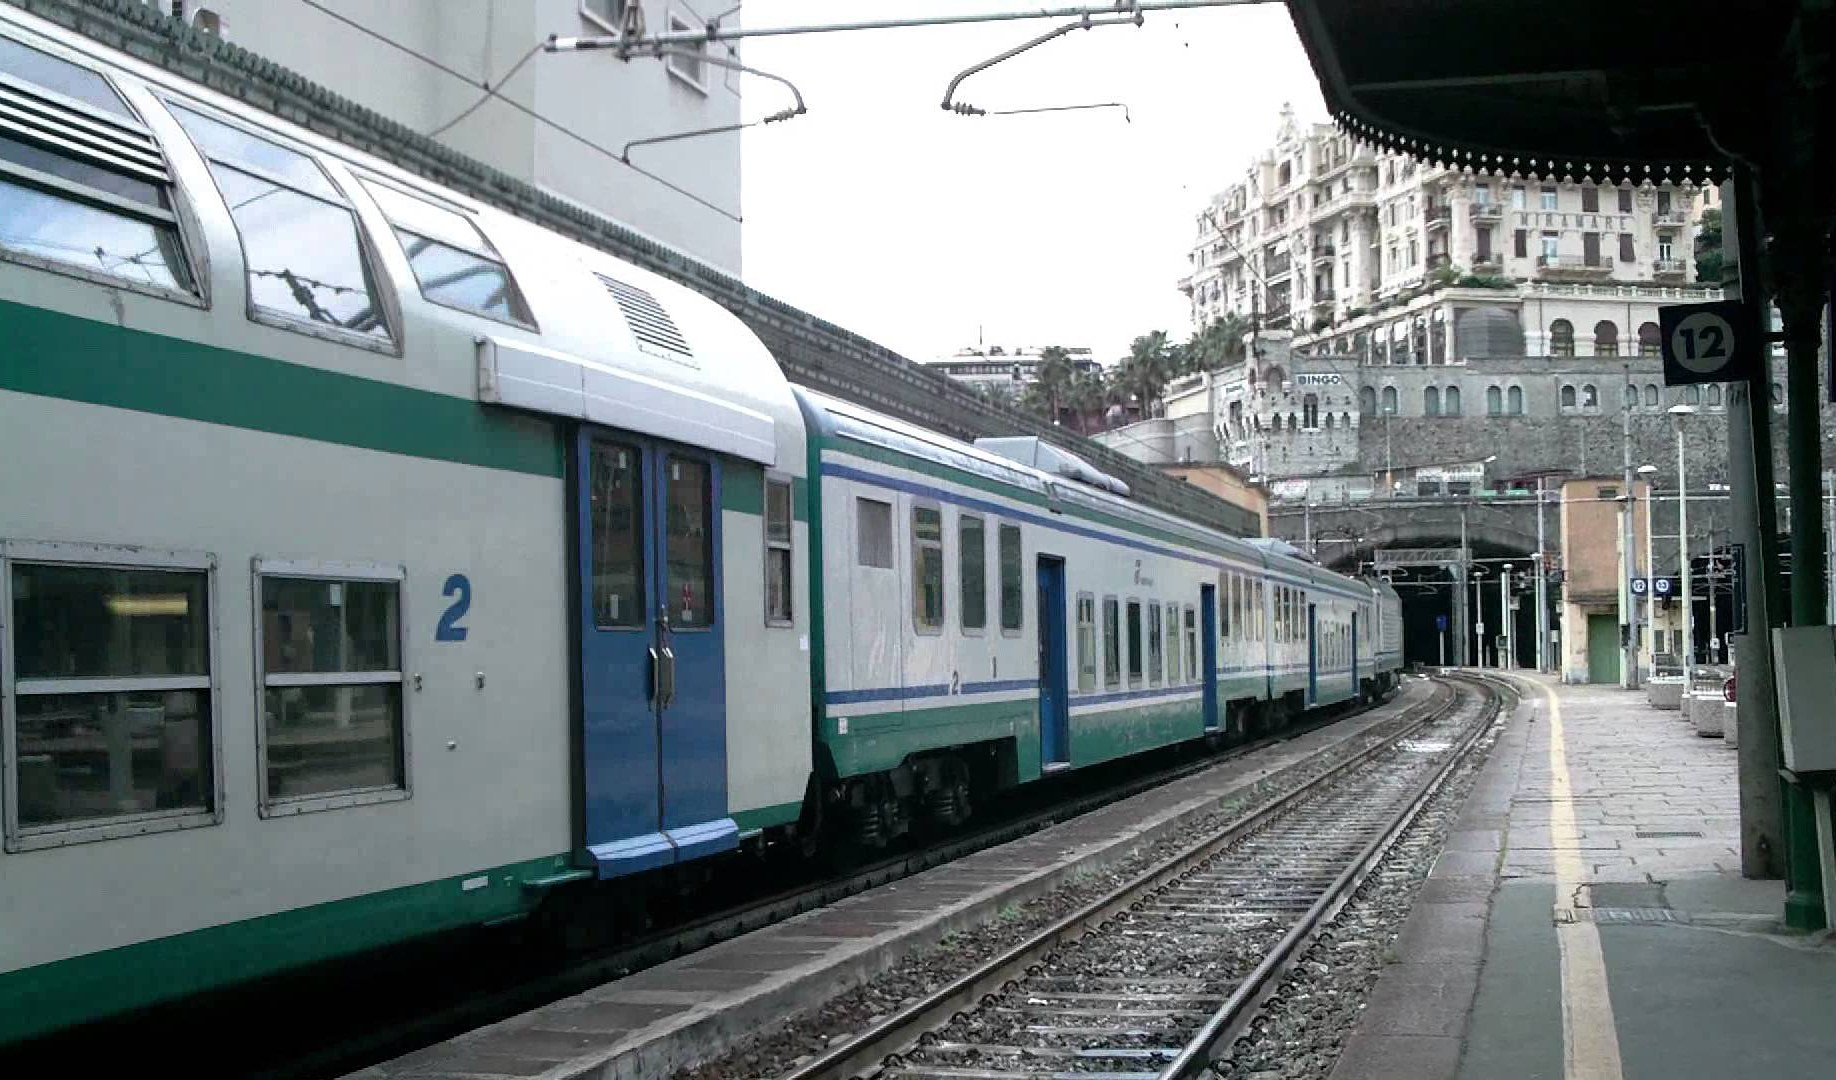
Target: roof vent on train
[1281, 547]
[1042, 455]
[655, 331]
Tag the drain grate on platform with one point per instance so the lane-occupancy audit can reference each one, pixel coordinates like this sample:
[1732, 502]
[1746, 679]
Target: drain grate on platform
[1619, 915]
[1661, 834]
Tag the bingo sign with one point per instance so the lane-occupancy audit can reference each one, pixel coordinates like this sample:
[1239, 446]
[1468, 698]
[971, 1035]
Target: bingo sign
[1718, 341]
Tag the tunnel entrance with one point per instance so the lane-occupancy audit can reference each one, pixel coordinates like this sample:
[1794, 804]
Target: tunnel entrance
[1430, 607]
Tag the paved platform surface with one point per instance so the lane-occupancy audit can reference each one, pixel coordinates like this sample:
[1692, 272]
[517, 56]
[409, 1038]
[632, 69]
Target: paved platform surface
[688, 1010]
[1589, 920]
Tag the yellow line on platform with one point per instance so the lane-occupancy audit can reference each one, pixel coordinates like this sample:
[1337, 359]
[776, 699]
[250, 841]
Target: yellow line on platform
[1590, 1040]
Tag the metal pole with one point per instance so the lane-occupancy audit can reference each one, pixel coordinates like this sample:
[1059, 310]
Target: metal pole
[1628, 623]
[1689, 626]
[1650, 572]
[1542, 578]
[1463, 621]
[1505, 658]
[716, 31]
[1763, 847]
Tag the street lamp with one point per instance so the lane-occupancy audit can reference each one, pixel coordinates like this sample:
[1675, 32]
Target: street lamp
[1504, 617]
[1649, 472]
[1478, 572]
[1679, 412]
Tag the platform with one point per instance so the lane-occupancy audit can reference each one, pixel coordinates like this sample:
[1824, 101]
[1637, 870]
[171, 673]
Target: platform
[1588, 919]
[690, 1009]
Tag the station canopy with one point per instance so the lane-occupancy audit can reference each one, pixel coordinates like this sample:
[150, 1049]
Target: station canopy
[1559, 89]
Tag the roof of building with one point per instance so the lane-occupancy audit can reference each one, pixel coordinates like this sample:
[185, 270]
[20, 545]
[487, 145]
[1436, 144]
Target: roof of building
[1566, 88]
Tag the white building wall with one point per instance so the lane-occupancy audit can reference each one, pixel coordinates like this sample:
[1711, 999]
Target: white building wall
[590, 97]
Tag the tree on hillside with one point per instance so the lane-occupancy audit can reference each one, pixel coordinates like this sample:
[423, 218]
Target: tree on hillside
[1708, 248]
[1218, 344]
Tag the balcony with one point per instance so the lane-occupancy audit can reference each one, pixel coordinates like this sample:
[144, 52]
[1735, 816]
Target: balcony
[1278, 266]
[1439, 217]
[1670, 219]
[1324, 298]
[1486, 213]
[1324, 253]
[1571, 267]
[1438, 259]
[1490, 262]
[1668, 268]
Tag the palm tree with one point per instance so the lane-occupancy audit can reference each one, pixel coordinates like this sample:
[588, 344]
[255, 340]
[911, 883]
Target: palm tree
[1219, 343]
[1146, 367]
[1087, 395]
[1053, 377]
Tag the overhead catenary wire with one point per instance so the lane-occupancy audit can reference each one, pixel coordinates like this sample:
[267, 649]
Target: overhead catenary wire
[539, 118]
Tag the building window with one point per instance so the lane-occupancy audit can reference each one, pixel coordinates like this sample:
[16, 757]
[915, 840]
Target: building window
[1013, 596]
[1520, 243]
[1450, 402]
[1112, 643]
[1590, 199]
[1631, 396]
[329, 647]
[1551, 242]
[1562, 338]
[1389, 401]
[1606, 338]
[778, 609]
[927, 569]
[1714, 395]
[1483, 249]
[1517, 197]
[1431, 401]
[1310, 411]
[108, 669]
[1625, 200]
[1153, 644]
[609, 14]
[1549, 198]
[1514, 401]
[306, 262]
[1778, 394]
[1568, 395]
[1666, 249]
[1494, 401]
[689, 63]
[1086, 641]
[873, 533]
[1590, 396]
[1626, 252]
[1651, 395]
[972, 570]
[1650, 340]
[90, 191]
[1367, 399]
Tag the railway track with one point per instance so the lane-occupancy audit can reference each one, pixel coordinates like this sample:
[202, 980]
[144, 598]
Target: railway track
[473, 1002]
[1154, 978]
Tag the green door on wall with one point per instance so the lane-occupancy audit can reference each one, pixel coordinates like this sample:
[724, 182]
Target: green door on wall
[1602, 649]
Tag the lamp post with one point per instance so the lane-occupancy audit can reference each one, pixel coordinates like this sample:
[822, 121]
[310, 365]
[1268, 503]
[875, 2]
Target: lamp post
[1504, 617]
[1678, 412]
[1478, 572]
[1649, 471]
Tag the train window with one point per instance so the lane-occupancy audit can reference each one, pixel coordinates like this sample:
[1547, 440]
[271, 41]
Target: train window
[1112, 643]
[1172, 645]
[617, 494]
[927, 569]
[328, 652]
[1261, 613]
[83, 185]
[1086, 641]
[688, 542]
[778, 577]
[304, 253]
[873, 539]
[113, 729]
[1153, 644]
[1013, 595]
[972, 562]
[1192, 654]
[1134, 643]
[453, 262]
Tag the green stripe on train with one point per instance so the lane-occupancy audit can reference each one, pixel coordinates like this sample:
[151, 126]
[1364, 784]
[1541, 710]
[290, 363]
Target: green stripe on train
[61, 356]
[44, 999]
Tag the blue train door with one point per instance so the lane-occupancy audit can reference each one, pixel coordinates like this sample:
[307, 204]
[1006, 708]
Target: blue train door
[653, 745]
[1208, 654]
[1313, 655]
[1054, 703]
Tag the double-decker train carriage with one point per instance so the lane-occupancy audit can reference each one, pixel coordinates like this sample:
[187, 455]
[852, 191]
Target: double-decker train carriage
[376, 563]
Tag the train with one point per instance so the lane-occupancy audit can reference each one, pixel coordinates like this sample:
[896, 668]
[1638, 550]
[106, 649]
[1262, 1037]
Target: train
[377, 563]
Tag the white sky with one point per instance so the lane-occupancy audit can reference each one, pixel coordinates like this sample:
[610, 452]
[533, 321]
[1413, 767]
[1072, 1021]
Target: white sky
[915, 227]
